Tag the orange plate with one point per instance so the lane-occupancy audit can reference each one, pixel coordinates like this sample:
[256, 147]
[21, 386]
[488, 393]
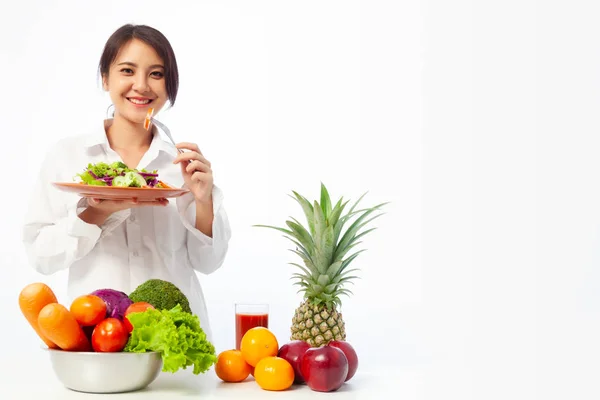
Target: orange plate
[119, 193]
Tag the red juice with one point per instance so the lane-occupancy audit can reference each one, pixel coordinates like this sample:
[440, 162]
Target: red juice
[244, 322]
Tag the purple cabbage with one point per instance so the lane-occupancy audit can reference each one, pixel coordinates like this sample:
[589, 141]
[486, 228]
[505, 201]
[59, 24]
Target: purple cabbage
[152, 182]
[108, 180]
[116, 302]
[151, 178]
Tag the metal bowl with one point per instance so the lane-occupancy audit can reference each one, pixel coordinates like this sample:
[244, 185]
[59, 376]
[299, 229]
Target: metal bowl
[93, 372]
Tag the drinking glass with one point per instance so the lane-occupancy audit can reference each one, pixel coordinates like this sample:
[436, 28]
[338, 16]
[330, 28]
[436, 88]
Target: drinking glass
[248, 316]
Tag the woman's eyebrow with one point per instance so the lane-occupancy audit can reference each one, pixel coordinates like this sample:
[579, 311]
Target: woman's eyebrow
[135, 65]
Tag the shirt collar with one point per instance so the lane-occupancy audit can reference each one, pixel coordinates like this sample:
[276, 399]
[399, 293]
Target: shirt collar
[98, 138]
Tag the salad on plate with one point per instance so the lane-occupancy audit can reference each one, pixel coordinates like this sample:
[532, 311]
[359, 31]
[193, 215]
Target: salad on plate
[117, 174]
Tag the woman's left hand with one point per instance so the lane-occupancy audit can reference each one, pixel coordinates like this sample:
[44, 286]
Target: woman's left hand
[196, 171]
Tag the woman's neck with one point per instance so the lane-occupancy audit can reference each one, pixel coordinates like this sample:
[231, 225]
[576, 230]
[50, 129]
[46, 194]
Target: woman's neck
[123, 134]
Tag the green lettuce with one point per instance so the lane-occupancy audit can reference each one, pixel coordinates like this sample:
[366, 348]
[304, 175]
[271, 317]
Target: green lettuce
[176, 335]
[104, 174]
[130, 179]
[88, 179]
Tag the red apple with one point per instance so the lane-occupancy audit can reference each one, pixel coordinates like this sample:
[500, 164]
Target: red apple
[292, 352]
[350, 354]
[324, 368]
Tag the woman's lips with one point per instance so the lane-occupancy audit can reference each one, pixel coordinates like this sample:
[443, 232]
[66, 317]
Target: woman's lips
[139, 102]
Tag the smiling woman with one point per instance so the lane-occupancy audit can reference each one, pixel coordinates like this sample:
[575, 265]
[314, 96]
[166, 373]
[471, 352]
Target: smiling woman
[108, 242]
[145, 56]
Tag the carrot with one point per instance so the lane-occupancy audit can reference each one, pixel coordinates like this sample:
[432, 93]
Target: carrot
[32, 299]
[148, 119]
[59, 325]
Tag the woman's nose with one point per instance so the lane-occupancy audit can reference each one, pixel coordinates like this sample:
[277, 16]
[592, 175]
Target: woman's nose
[140, 83]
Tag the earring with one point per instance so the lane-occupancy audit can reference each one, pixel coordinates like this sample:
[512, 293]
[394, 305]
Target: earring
[108, 113]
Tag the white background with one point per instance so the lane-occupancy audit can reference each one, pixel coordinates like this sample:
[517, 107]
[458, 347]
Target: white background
[477, 120]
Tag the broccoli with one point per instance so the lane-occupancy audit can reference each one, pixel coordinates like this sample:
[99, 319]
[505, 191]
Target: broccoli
[161, 294]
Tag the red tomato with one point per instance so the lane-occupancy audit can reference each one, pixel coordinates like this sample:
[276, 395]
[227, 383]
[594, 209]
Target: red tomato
[109, 335]
[135, 307]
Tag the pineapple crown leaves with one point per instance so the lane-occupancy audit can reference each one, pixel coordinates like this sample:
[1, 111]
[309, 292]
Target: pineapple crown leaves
[323, 244]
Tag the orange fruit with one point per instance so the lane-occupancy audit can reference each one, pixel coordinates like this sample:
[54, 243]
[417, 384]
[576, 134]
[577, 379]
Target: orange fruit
[231, 366]
[88, 310]
[274, 373]
[258, 343]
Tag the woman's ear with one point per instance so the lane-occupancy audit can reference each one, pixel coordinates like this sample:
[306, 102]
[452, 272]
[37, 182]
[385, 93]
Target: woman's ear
[105, 83]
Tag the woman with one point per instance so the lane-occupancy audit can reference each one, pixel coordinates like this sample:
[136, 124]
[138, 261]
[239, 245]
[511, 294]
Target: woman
[121, 244]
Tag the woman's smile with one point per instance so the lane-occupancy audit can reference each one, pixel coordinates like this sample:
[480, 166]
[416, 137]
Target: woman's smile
[139, 101]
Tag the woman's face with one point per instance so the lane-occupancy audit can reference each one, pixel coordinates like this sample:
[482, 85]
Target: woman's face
[136, 81]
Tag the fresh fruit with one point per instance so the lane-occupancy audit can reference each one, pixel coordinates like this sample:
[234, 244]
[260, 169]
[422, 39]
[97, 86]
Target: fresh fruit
[350, 354]
[292, 352]
[323, 246]
[88, 310]
[231, 366]
[60, 326]
[88, 330]
[32, 299]
[140, 306]
[324, 368]
[274, 373]
[109, 335]
[258, 343]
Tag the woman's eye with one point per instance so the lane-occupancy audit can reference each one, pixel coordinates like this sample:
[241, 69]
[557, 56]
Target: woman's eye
[157, 74]
[127, 70]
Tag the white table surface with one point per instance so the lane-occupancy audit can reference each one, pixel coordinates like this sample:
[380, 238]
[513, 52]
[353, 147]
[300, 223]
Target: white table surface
[30, 379]
[29, 375]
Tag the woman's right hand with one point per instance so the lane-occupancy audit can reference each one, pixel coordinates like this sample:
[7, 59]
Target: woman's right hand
[100, 209]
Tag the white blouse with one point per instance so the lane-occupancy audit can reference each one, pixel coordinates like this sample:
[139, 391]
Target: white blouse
[132, 245]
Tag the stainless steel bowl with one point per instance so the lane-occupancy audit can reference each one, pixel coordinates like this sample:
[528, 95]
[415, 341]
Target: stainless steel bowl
[92, 372]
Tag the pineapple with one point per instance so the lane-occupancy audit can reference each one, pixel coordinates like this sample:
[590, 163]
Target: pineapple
[323, 247]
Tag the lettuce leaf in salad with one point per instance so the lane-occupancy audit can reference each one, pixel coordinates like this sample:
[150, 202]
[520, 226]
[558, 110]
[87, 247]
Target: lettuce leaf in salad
[176, 335]
[104, 174]
[87, 178]
[129, 179]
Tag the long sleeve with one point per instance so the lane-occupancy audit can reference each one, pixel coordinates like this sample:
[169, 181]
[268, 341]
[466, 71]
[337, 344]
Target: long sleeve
[206, 254]
[53, 234]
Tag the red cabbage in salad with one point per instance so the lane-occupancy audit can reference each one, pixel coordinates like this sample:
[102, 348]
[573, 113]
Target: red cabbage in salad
[118, 174]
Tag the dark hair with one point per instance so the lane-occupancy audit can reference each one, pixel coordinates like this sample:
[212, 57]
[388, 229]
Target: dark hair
[153, 38]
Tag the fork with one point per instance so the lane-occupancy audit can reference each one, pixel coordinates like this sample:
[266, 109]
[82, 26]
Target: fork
[166, 131]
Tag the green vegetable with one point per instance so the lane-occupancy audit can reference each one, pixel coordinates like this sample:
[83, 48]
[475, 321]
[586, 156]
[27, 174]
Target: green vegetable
[130, 179]
[161, 294]
[176, 335]
[117, 174]
[88, 179]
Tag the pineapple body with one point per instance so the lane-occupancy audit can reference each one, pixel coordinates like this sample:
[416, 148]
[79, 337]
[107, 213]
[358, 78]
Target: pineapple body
[317, 324]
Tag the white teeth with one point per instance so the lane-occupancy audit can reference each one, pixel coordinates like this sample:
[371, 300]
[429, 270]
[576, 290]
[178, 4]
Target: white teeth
[135, 101]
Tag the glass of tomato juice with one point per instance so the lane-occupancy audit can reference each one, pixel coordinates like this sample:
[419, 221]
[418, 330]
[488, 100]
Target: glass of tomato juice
[249, 316]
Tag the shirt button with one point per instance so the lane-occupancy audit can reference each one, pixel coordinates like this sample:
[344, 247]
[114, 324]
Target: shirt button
[135, 254]
[132, 218]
